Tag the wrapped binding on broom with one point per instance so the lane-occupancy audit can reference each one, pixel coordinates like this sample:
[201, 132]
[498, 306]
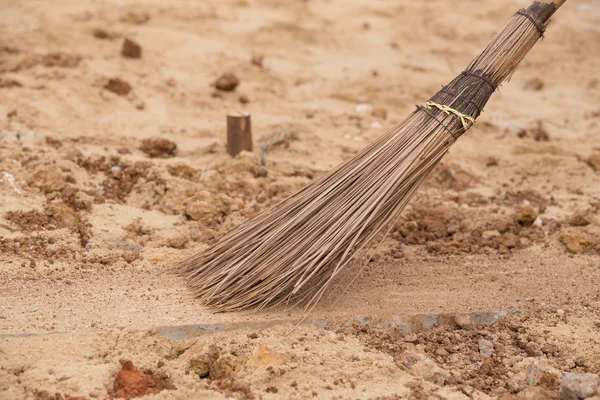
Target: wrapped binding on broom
[295, 249]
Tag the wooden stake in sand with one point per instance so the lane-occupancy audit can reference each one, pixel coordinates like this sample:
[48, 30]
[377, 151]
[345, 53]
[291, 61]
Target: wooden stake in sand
[239, 133]
[293, 251]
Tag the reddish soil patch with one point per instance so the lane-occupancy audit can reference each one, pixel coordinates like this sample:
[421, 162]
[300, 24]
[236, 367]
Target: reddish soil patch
[131, 383]
[121, 176]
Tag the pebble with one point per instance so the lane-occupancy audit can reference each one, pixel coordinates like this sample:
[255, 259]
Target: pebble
[131, 49]
[411, 338]
[364, 108]
[486, 348]
[441, 352]
[578, 386]
[224, 366]
[490, 234]
[526, 216]
[464, 322]
[118, 86]
[580, 218]
[227, 82]
[418, 364]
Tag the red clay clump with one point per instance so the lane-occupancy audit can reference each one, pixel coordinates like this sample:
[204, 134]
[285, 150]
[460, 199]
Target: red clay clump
[131, 383]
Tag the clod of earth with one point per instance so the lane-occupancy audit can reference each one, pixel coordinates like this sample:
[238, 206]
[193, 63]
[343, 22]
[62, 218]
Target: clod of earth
[534, 84]
[526, 216]
[118, 86]
[131, 383]
[201, 365]
[580, 218]
[227, 82]
[131, 49]
[579, 386]
[101, 33]
[158, 148]
[419, 364]
[577, 240]
[223, 366]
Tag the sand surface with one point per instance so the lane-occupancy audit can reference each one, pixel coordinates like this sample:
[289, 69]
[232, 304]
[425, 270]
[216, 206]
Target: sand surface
[93, 216]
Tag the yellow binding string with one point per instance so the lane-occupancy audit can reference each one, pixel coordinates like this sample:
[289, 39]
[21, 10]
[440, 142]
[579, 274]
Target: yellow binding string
[449, 110]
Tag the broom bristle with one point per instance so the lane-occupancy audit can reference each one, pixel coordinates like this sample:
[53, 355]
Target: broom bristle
[296, 248]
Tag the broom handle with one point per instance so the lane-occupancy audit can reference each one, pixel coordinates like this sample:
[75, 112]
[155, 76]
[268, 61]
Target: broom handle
[466, 95]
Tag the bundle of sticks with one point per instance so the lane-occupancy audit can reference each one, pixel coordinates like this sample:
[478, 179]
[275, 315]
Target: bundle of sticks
[293, 251]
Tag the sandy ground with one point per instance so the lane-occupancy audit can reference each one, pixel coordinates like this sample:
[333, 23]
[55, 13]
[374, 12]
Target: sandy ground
[92, 217]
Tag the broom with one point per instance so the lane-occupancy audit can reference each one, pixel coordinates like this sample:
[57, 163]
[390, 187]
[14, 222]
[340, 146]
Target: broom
[296, 248]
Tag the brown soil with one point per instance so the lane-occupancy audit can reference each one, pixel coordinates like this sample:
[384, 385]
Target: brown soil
[131, 383]
[113, 169]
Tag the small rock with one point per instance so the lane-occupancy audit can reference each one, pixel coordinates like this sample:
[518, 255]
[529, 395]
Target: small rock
[538, 222]
[379, 112]
[576, 240]
[578, 386]
[490, 234]
[411, 338]
[158, 147]
[580, 218]
[244, 99]
[131, 49]
[253, 335]
[100, 33]
[491, 162]
[535, 84]
[201, 365]
[176, 241]
[201, 210]
[532, 372]
[418, 364]
[223, 366]
[227, 82]
[486, 348]
[464, 322]
[118, 86]
[364, 108]
[441, 352]
[526, 216]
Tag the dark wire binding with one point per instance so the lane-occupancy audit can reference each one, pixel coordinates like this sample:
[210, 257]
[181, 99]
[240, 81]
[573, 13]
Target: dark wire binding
[479, 110]
[483, 78]
[540, 28]
[419, 107]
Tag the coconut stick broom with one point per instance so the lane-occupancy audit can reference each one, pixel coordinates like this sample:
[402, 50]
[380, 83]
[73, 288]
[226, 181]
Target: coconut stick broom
[296, 248]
